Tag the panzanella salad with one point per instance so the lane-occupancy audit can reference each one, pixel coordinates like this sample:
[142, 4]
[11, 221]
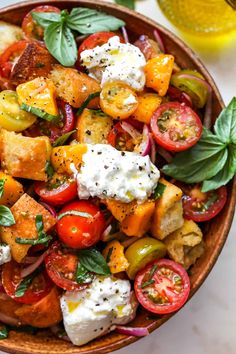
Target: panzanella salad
[108, 164]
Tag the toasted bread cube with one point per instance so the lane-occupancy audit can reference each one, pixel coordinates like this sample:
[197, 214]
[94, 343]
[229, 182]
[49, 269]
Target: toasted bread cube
[139, 222]
[23, 156]
[25, 211]
[185, 245]
[93, 128]
[35, 61]
[12, 190]
[73, 86]
[9, 34]
[168, 214]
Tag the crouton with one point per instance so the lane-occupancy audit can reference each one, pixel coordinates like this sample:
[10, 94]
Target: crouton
[25, 211]
[35, 61]
[168, 214]
[73, 86]
[9, 34]
[185, 245]
[23, 156]
[12, 190]
[93, 127]
[45, 313]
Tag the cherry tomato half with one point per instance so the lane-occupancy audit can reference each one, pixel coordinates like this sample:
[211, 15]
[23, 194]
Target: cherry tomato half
[60, 189]
[162, 287]
[9, 56]
[175, 126]
[148, 47]
[120, 139]
[61, 265]
[30, 27]
[11, 278]
[96, 39]
[80, 231]
[199, 206]
[176, 94]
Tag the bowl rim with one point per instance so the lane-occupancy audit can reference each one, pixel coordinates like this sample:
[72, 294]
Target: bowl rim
[126, 340]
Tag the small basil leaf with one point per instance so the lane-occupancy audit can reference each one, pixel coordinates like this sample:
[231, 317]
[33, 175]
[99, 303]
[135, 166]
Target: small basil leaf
[83, 276]
[6, 216]
[2, 182]
[63, 138]
[128, 3]
[159, 190]
[93, 261]
[25, 283]
[108, 257]
[225, 175]
[29, 241]
[4, 332]
[225, 125]
[61, 43]
[44, 19]
[75, 213]
[49, 169]
[39, 225]
[86, 102]
[87, 21]
[40, 113]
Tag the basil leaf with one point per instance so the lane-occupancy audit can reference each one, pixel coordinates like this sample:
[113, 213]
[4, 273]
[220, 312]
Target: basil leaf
[63, 138]
[26, 282]
[128, 3]
[225, 175]
[225, 125]
[108, 257]
[44, 19]
[2, 182]
[88, 21]
[61, 43]
[82, 275]
[4, 332]
[86, 102]
[49, 169]
[40, 113]
[75, 213]
[159, 190]
[93, 261]
[6, 216]
[29, 241]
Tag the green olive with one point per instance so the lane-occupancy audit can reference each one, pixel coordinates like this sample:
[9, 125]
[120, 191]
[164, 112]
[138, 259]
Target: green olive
[13, 118]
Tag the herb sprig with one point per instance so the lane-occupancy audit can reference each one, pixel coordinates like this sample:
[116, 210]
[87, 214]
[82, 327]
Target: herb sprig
[60, 30]
[213, 159]
[42, 239]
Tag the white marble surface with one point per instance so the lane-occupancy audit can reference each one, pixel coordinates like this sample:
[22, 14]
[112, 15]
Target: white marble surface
[207, 324]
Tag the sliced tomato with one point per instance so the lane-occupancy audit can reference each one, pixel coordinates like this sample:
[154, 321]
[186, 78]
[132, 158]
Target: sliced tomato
[199, 206]
[30, 27]
[43, 127]
[175, 126]
[148, 47]
[11, 278]
[10, 56]
[120, 139]
[60, 189]
[162, 287]
[80, 231]
[61, 265]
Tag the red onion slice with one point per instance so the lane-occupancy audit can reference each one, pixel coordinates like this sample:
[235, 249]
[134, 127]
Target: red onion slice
[106, 232]
[49, 208]
[11, 321]
[28, 270]
[180, 96]
[145, 146]
[153, 149]
[165, 154]
[128, 128]
[132, 331]
[159, 40]
[125, 34]
[30, 260]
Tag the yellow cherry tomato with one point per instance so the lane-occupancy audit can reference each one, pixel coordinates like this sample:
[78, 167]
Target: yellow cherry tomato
[12, 118]
[118, 100]
[142, 252]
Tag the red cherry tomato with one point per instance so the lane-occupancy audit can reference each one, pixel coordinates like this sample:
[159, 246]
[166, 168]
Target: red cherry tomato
[120, 139]
[30, 27]
[11, 278]
[9, 56]
[199, 206]
[79, 231]
[175, 126]
[162, 287]
[58, 190]
[61, 265]
[176, 94]
[43, 127]
[94, 40]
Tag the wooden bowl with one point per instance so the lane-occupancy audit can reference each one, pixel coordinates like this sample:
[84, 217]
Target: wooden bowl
[215, 231]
